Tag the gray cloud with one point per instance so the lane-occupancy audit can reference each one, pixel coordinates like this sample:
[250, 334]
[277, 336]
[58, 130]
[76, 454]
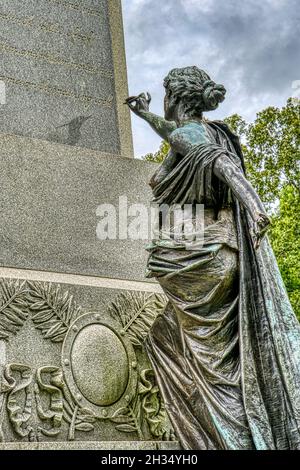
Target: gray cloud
[251, 47]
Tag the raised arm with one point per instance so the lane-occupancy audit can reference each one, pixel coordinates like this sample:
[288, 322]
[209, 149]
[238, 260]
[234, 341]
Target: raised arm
[140, 106]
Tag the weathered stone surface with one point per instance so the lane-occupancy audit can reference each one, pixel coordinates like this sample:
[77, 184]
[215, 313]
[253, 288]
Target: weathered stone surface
[39, 324]
[109, 445]
[98, 349]
[65, 383]
[49, 197]
[59, 63]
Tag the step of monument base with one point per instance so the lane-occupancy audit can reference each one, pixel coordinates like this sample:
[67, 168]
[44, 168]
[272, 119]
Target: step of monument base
[92, 445]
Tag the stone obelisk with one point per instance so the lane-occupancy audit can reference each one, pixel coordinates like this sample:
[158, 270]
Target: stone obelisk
[63, 65]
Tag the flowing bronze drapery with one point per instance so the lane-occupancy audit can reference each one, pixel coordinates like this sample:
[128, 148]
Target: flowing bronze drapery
[226, 352]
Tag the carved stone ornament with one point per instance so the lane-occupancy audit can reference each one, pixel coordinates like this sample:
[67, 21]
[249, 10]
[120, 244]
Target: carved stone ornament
[99, 365]
[103, 377]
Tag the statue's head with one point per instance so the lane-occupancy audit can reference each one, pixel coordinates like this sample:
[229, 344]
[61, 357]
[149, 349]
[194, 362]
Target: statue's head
[192, 90]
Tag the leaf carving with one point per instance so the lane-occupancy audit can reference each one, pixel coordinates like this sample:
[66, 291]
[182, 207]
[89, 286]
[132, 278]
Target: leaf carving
[13, 307]
[137, 312]
[122, 416]
[53, 310]
[126, 428]
[85, 427]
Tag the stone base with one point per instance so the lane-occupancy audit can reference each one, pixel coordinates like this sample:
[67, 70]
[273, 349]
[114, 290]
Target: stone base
[73, 367]
[75, 310]
[49, 199]
[104, 445]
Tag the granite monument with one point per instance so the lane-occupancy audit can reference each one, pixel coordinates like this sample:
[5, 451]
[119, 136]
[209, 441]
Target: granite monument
[74, 309]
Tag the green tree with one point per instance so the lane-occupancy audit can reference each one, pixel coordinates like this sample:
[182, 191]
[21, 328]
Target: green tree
[271, 146]
[285, 239]
[160, 155]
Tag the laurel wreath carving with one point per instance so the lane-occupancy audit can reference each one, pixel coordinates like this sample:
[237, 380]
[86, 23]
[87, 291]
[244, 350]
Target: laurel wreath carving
[50, 308]
[53, 310]
[137, 311]
[13, 307]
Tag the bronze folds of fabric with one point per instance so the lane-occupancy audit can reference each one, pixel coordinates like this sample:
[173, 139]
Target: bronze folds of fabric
[226, 351]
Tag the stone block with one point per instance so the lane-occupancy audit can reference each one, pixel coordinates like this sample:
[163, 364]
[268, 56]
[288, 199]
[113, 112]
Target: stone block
[49, 198]
[63, 66]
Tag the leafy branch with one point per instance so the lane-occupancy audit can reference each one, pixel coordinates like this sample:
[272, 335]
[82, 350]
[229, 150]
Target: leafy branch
[13, 307]
[53, 310]
[128, 420]
[137, 312]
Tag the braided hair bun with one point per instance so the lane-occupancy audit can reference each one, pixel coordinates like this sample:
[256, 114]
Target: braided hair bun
[195, 89]
[213, 94]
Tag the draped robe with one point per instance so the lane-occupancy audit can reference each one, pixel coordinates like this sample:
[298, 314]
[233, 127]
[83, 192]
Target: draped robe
[226, 350]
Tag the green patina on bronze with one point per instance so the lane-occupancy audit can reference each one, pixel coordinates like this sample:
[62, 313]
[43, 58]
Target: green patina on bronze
[226, 351]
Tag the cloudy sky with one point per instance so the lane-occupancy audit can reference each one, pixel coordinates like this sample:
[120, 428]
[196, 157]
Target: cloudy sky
[252, 47]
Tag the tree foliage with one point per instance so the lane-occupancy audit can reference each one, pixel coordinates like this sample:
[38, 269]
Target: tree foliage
[271, 146]
[160, 155]
[285, 239]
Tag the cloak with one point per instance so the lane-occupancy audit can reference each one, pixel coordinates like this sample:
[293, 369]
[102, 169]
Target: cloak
[226, 351]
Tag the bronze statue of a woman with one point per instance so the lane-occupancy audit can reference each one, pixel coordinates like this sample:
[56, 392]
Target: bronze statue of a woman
[226, 351]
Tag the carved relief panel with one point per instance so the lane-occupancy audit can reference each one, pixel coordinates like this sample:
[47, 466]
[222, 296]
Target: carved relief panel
[67, 374]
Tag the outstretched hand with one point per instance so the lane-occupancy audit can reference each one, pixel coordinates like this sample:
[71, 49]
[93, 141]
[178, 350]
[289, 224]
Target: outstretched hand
[139, 103]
